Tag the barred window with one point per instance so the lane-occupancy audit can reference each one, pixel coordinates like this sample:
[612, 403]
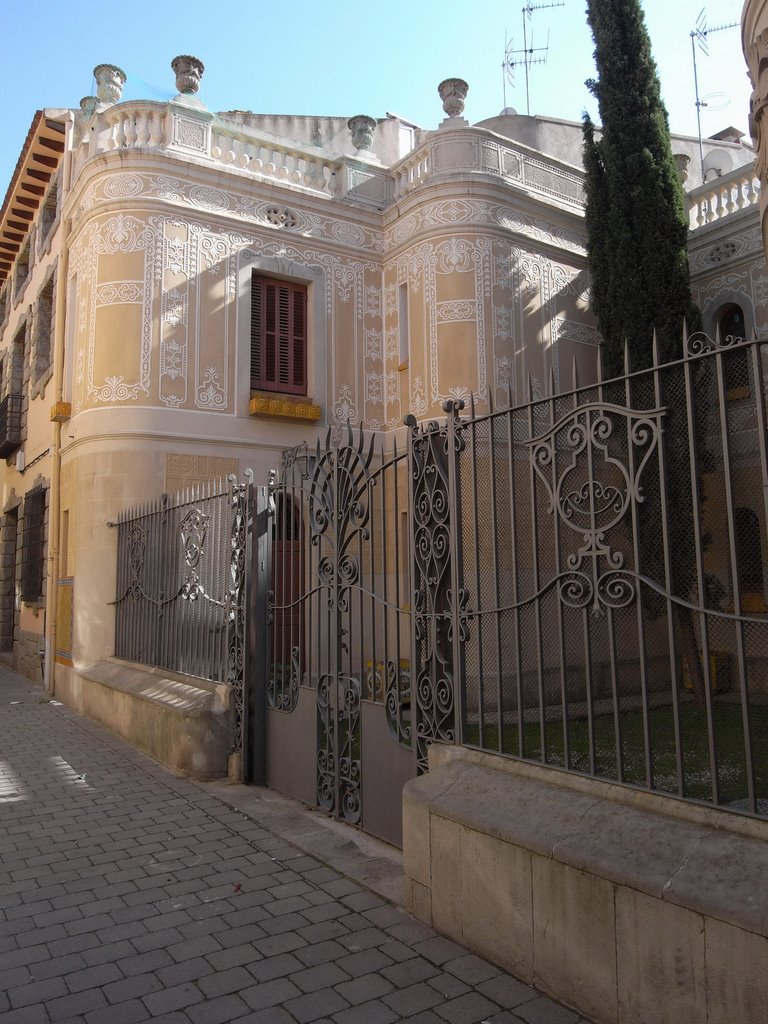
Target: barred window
[33, 540]
[278, 336]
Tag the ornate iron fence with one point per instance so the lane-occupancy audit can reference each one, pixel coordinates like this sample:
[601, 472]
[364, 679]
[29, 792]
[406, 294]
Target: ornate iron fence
[613, 617]
[181, 578]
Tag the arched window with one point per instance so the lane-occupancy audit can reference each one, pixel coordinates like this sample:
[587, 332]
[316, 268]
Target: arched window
[732, 330]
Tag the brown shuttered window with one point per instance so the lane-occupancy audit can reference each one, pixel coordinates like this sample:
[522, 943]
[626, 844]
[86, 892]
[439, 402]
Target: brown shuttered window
[278, 336]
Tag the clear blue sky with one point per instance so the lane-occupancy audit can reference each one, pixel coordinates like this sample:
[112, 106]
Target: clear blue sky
[342, 58]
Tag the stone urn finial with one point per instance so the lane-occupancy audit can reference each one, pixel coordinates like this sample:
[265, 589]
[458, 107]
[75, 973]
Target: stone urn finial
[362, 128]
[453, 92]
[188, 71]
[681, 162]
[110, 80]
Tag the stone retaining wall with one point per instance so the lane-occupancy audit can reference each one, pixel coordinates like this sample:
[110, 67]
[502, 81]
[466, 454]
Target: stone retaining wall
[631, 907]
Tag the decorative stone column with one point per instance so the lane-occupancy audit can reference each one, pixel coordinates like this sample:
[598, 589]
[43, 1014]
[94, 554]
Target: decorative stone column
[188, 71]
[362, 127]
[453, 93]
[110, 80]
[754, 41]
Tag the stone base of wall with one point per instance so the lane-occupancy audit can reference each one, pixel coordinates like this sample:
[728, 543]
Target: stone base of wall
[182, 722]
[630, 907]
[26, 655]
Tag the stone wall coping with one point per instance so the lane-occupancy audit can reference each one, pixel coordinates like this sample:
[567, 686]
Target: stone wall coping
[702, 859]
[187, 695]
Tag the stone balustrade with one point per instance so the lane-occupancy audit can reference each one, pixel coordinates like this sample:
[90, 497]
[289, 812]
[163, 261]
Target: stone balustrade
[477, 151]
[197, 134]
[723, 196]
[305, 166]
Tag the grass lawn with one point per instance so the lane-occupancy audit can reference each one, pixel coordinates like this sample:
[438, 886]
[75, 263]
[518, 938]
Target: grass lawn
[729, 740]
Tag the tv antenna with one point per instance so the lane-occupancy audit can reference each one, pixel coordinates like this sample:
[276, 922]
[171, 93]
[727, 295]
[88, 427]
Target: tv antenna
[514, 58]
[700, 37]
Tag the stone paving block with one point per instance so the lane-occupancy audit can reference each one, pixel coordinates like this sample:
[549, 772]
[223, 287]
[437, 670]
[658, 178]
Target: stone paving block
[321, 952]
[234, 956]
[272, 1015]
[68, 1008]
[177, 997]
[275, 967]
[135, 987]
[323, 1003]
[409, 972]
[285, 923]
[413, 999]
[323, 976]
[220, 983]
[322, 931]
[467, 1009]
[186, 970]
[448, 985]
[439, 950]
[507, 991]
[220, 1010]
[107, 953]
[364, 962]
[372, 1013]
[543, 1011]
[133, 1011]
[36, 991]
[364, 939]
[471, 969]
[269, 993]
[364, 988]
[140, 963]
[93, 977]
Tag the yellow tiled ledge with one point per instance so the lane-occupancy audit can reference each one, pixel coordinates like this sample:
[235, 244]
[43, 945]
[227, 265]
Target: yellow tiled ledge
[283, 408]
[60, 412]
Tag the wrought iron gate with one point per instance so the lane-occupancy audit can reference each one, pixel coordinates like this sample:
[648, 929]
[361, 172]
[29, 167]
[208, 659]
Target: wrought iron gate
[357, 664]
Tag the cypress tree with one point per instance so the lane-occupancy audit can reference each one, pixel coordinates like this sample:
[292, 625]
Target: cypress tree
[637, 229]
[636, 217]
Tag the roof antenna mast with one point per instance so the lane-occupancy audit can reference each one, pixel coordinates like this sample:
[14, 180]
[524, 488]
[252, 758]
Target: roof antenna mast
[700, 34]
[513, 58]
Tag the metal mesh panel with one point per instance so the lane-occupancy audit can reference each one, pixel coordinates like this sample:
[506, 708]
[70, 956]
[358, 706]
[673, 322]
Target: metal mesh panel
[612, 548]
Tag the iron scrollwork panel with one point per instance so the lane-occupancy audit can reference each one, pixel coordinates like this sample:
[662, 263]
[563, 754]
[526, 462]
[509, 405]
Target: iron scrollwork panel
[592, 492]
[433, 497]
[339, 513]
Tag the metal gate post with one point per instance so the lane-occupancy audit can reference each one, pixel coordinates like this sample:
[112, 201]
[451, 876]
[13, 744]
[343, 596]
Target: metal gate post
[454, 446]
[259, 619]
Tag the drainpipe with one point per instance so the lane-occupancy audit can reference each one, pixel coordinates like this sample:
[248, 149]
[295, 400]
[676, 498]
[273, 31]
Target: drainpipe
[54, 504]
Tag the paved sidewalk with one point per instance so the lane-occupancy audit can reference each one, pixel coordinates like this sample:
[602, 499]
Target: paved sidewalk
[129, 895]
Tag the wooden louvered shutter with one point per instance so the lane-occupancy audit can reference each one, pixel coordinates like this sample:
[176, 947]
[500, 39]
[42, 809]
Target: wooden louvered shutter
[278, 336]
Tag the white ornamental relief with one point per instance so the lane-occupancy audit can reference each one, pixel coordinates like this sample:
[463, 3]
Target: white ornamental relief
[419, 403]
[210, 395]
[505, 372]
[374, 388]
[114, 389]
[175, 313]
[173, 360]
[372, 343]
[574, 331]
[123, 186]
[190, 134]
[344, 408]
[456, 310]
[123, 233]
[208, 198]
[372, 300]
[124, 292]
[454, 256]
[348, 234]
[281, 217]
[760, 290]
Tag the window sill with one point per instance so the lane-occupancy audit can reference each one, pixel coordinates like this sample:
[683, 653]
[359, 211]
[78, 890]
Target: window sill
[283, 407]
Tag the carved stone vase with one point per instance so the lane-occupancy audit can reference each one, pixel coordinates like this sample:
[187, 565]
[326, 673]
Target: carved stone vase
[453, 92]
[110, 80]
[188, 71]
[362, 128]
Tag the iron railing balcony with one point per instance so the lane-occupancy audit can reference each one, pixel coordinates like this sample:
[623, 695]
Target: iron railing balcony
[10, 425]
